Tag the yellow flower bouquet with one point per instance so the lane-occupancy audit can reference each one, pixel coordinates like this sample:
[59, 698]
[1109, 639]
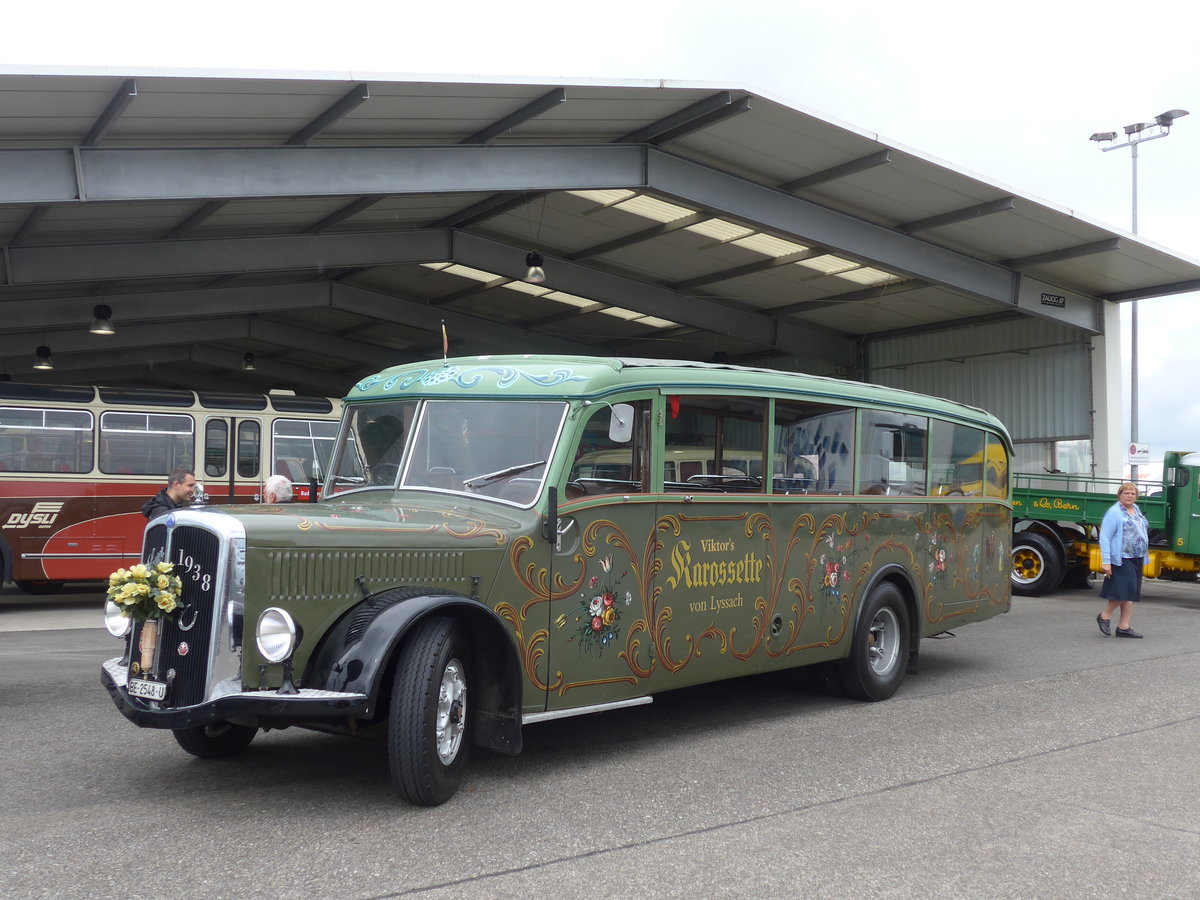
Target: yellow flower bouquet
[148, 590]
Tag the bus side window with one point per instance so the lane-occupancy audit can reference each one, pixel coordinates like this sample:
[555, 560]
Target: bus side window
[813, 447]
[715, 443]
[249, 443]
[216, 447]
[956, 459]
[602, 466]
[137, 443]
[892, 453]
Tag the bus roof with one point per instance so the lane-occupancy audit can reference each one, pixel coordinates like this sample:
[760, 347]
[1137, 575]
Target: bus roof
[592, 377]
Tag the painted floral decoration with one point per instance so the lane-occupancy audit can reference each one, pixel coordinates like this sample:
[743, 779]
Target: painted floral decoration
[599, 612]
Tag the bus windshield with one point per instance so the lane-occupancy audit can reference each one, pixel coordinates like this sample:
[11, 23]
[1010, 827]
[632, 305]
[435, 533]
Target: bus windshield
[498, 449]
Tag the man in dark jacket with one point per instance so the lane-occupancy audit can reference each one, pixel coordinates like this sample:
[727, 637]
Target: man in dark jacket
[176, 495]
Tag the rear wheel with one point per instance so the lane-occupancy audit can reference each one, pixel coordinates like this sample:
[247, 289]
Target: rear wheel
[39, 588]
[1037, 564]
[429, 728]
[216, 740]
[879, 655]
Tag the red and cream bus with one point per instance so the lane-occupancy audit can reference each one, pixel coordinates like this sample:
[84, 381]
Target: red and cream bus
[77, 463]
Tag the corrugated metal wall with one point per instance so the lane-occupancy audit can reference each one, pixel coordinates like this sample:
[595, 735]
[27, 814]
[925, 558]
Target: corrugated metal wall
[1032, 373]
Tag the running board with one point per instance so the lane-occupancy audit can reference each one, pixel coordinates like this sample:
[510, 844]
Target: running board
[534, 718]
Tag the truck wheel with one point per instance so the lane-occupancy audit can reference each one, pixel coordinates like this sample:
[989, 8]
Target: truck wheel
[217, 740]
[1037, 564]
[429, 727]
[879, 654]
[39, 588]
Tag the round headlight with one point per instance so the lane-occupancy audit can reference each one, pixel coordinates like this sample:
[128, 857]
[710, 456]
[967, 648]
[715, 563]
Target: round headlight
[276, 635]
[117, 624]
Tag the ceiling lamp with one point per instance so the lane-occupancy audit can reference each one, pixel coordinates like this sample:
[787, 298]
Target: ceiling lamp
[248, 363]
[536, 274]
[42, 361]
[102, 319]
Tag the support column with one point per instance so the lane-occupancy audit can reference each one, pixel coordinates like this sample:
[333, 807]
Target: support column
[1108, 397]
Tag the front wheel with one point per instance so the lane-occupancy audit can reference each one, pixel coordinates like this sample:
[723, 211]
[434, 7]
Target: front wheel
[879, 655]
[217, 740]
[429, 727]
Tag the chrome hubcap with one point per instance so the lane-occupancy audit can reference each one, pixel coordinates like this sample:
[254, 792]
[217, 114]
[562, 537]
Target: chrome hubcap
[883, 642]
[451, 712]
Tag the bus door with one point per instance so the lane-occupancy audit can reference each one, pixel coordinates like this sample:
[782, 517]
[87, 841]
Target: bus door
[714, 524]
[215, 469]
[597, 630]
[232, 454]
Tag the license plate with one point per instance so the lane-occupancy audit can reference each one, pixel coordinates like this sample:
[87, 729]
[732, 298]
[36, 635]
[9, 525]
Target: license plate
[150, 690]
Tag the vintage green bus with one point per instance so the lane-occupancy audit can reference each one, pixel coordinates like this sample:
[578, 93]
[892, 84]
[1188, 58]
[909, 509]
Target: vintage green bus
[498, 545]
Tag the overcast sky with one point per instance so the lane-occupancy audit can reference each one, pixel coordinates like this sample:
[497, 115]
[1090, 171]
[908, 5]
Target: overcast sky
[1009, 91]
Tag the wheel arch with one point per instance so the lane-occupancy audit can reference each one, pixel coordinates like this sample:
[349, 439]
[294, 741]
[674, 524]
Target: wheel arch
[368, 664]
[902, 579]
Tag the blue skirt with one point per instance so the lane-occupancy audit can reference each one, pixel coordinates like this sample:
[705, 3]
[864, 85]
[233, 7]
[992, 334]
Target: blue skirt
[1125, 583]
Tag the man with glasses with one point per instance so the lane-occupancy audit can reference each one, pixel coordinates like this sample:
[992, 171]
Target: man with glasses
[181, 485]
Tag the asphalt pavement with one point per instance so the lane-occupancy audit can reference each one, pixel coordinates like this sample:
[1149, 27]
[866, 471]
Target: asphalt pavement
[1031, 757]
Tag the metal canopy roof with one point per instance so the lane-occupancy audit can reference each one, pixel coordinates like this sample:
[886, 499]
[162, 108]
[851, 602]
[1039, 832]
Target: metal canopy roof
[331, 226]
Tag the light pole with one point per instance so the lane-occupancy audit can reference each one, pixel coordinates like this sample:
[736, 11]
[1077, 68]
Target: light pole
[1134, 135]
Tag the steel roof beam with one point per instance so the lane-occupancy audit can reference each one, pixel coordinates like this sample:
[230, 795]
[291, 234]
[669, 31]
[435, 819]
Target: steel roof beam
[414, 314]
[144, 339]
[872, 293]
[206, 211]
[1052, 256]
[841, 233]
[1161, 290]
[352, 352]
[647, 234]
[211, 256]
[629, 293]
[276, 371]
[215, 173]
[966, 214]
[351, 100]
[529, 111]
[116, 106]
[834, 173]
[153, 306]
[352, 208]
[695, 117]
[751, 269]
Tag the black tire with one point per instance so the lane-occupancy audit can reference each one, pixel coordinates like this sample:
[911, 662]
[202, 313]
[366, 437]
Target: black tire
[1037, 564]
[39, 588]
[217, 740]
[879, 653]
[429, 727]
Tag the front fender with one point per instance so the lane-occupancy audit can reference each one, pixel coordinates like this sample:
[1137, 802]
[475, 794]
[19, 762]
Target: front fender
[366, 665]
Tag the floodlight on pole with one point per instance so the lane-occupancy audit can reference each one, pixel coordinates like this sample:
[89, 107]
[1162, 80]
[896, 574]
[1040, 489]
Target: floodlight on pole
[1136, 134]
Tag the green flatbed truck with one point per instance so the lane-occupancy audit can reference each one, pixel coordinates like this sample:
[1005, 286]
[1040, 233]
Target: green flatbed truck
[1056, 525]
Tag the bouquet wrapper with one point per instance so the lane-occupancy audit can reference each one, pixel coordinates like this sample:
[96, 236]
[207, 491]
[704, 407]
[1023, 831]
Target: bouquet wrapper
[147, 644]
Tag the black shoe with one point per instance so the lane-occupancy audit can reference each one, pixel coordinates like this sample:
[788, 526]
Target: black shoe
[1127, 632]
[1105, 626]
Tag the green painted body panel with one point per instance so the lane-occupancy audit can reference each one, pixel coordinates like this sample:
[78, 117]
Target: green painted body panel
[647, 592]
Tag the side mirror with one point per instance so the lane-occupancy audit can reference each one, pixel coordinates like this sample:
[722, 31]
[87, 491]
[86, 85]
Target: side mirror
[620, 426]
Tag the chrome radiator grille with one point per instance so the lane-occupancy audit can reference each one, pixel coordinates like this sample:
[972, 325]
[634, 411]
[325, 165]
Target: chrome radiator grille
[185, 646]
